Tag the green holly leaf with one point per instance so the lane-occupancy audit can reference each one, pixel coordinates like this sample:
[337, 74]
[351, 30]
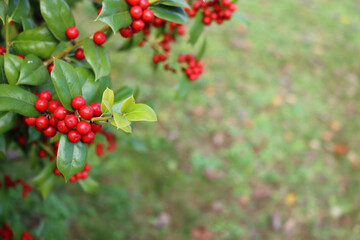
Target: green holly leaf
[170, 13]
[3, 11]
[120, 121]
[202, 50]
[66, 82]
[107, 101]
[89, 185]
[115, 13]
[128, 105]
[98, 59]
[91, 90]
[2, 70]
[38, 41]
[197, 28]
[182, 87]
[28, 23]
[46, 179]
[12, 64]
[16, 99]
[58, 16]
[32, 71]
[123, 93]
[8, 120]
[132, 42]
[176, 3]
[18, 9]
[141, 112]
[71, 157]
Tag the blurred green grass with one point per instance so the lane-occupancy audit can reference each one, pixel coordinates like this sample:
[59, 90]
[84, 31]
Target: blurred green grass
[249, 154]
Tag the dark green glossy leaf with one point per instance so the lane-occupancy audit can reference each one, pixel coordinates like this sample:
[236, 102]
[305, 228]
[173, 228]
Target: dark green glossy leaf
[16, 99]
[12, 66]
[197, 28]
[89, 185]
[38, 41]
[123, 93]
[3, 11]
[58, 16]
[66, 82]
[177, 3]
[33, 134]
[91, 90]
[115, 13]
[170, 13]
[28, 23]
[98, 59]
[71, 157]
[183, 87]
[8, 120]
[2, 70]
[18, 9]
[33, 72]
[202, 50]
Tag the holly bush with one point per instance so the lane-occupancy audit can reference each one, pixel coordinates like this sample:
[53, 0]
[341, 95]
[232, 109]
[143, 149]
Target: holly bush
[57, 106]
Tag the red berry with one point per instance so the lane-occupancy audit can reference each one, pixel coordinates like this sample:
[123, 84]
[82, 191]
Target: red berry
[97, 109]
[71, 121]
[133, 2]
[42, 122]
[61, 126]
[74, 136]
[20, 56]
[50, 68]
[21, 140]
[77, 102]
[99, 149]
[136, 12]
[72, 179]
[86, 112]
[99, 38]
[156, 58]
[99, 11]
[46, 95]
[52, 159]
[41, 104]
[126, 32]
[42, 153]
[85, 175]
[30, 120]
[53, 105]
[144, 4]
[60, 113]
[226, 3]
[207, 20]
[50, 131]
[2, 50]
[227, 13]
[72, 32]
[79, 53]
[112, 147]
[87, 167]
[109, 136]
[88, 138]
[233, 7]
[148, 15]
[83, 127]
[95, 127]
[138, 25]
[78, 175]
[57, 171]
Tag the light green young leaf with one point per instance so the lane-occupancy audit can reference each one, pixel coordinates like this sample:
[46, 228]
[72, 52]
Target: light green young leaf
[141, 112]
[107, 101]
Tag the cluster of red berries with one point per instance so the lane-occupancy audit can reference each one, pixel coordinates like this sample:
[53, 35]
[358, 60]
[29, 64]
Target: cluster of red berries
[7, 233]
[140, 14]
[110, 137]
[213, 10]
[57, 118]
[180, 28]
[165, 45]
[194, 68]
[99, 37]
[11, 183]
[80, 175]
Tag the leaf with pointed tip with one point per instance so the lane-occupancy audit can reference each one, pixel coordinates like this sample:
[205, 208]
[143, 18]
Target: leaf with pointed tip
[91, 90]
[98, 58]
[3, 11]
[141, 112]
[197, 28]
[33, 71]
[107, 101]
[176, 3]
[128, 105]
[115, 13]
[12, 65]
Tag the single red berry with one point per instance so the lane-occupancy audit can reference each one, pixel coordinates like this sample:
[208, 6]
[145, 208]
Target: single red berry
[84, 175]
[72, 179]
[20, 56]
[138, 25]
[61, 126]
[77, 102]
[133, 2]
[207, 20]
[99, 38]
[95, 127]
[79, 53]
[56, 144]
[52, 159]
[71, 121]
[78, 175]
[60, 113]
[88, 138]
[109, 136]
[87, 167]
[136, 12]
[83, 127]
[99, 11]
[30, 121]
[2, 50]
[42, 153]
[233, 7]
[226, 3]
[41, 104]
[156, 58]
[21, 140]
[148, 15]
[86, 112]
[53, 105]
[99, 150]
[46, 95]
[97, 109]
[74, 136]
[72, 32]
[126, 32]
[50, 131]
[144, 4]
[42, 122]
[111, 147]
[50, 68]
[227, 14]
[57, 171]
